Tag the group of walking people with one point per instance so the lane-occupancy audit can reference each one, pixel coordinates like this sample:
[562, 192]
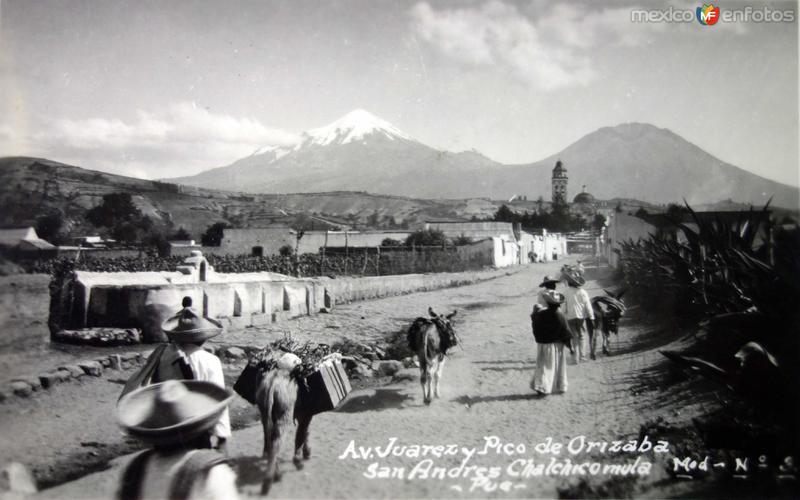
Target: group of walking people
[561, 322]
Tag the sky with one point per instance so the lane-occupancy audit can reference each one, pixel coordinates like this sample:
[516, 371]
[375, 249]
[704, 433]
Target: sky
[158, 89]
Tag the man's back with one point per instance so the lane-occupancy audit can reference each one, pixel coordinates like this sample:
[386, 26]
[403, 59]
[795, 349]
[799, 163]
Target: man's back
[577, 304]
[206, 367]
[179, 474]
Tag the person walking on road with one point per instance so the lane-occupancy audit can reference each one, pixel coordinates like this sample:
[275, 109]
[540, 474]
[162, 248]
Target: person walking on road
[189, 331]
[547, 283]
[183, 358]
[580, 316]
[552, 334]
[174, 417]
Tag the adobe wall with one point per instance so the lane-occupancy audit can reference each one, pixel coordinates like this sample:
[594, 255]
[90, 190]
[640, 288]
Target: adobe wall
[312, 241]
[144, 300]
[622, 228]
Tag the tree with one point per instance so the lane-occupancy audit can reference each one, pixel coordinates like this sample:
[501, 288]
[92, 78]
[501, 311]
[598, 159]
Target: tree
[181, 234]
[49, 226]
[505, 214]
[640, 212]
[213, 235]
[599, 221]
[286, 251]
[372, 220]
[156, 239]
[119, 215]
[426, 237]
[462, 240]
[676, 212]
[125, 232]
[388, 242]
[114, 209]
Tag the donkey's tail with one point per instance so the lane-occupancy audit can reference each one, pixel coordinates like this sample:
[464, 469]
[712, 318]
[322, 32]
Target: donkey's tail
[267, 405]
[429, 354]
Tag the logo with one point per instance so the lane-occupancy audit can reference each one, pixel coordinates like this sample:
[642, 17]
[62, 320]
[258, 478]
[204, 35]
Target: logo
[708, 15]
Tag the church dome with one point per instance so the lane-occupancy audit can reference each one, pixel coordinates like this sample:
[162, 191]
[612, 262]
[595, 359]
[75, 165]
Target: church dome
[559, 167]
[583, 197]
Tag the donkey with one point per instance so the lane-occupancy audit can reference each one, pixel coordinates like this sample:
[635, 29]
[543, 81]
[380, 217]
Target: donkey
[430, 339]
[608, 310]
[279, 399]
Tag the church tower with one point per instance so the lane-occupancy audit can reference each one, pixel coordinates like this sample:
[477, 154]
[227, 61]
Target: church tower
[559, 184]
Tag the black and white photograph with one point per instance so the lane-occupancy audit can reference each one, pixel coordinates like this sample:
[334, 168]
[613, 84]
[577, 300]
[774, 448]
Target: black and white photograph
[379, 249]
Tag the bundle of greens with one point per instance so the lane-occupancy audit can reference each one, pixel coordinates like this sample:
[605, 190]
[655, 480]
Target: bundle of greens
[310, 354]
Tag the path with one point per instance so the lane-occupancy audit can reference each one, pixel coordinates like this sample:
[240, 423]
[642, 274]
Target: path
[485, 393]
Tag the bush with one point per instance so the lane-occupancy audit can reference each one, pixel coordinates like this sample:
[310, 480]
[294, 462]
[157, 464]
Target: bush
[213, 235]
[426, 238]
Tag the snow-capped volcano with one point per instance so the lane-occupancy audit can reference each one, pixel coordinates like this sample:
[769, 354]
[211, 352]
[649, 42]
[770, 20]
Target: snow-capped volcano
[354, 126]
[358, 152]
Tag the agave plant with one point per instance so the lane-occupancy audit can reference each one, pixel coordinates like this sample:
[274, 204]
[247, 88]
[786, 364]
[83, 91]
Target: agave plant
[737, 290]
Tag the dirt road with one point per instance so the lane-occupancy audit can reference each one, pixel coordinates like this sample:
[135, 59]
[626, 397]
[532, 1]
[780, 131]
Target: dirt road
[487, 415]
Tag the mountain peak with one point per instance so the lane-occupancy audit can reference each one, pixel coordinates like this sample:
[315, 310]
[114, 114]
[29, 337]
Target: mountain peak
[353, 126]
[631, 130]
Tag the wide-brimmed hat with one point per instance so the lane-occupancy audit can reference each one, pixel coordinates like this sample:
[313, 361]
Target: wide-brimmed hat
[553, 297]
[574, 279]
[189, 326]
[173, 411]
[548, 279]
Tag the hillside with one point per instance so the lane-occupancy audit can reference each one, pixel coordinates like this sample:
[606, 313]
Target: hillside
[30, 187]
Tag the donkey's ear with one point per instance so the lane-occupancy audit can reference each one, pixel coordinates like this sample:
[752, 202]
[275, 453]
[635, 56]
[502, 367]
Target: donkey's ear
[451, 314]
[433, 314]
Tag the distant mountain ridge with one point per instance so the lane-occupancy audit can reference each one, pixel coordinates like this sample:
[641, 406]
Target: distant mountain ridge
[364, 153]
[31, 187]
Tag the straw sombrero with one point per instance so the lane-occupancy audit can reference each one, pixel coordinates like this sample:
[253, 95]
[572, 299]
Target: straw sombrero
[189, 326]
[574, 279]
[548, 279]
[173, 411]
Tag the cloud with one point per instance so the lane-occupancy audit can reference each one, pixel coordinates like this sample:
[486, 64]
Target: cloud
[583, 28]
[548, 46]
[497, 34]
[181, 140]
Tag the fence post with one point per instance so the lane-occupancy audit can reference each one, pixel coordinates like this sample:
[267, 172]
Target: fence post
[322, 262]
[378, 262]
[346, 253]
[366, 257]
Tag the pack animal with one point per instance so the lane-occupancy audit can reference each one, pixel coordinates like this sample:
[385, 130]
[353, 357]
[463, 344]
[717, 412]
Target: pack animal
[430, 339]
[608, 310]
[279, 402]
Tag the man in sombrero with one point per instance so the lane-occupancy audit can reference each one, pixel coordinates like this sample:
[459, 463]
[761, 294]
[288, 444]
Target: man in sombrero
[188, 331]
[171, 417]
[580, 315]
